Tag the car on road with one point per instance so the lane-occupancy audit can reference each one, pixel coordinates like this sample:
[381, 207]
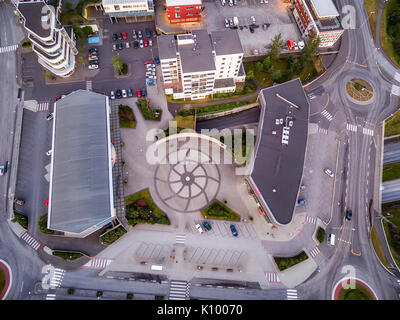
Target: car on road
[138, 93]
[49, 153]
[127, 45]
[199, 228]
[118, 94]
[130, 93]
[141, 43]
[144, 93]
[112, 95]
[93, 50]
[207, 225]
[136, 44]
[50, 116]
[301, 202]
[114, 47]
[6, 166]
[120, 36]
[139, 34]
[331, 239]
[148, 33]
[157, 60]
[146, 43]
[124, 35]
[234, 231]
[93, 66]
[124, 93]
[120, 46]
[329, 172]
[115, 37]
[349, 214]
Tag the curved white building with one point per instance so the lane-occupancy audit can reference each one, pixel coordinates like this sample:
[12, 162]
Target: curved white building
[53, 43]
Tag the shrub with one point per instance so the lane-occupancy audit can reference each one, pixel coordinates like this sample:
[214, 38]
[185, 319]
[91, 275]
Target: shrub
[218, 210]
[129, 296]
[113, 235]
[99, 294]
[285, 263]
[43, 225]
[26, 44]
[21, 219]
[148, 113]
[65, 255]
[71, 291]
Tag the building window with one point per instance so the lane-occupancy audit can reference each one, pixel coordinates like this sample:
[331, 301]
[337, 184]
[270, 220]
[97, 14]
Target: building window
[177, 15]
[116, 8]
[177, 9]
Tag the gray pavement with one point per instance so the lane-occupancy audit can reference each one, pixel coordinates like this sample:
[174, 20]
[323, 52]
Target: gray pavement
[391, 153]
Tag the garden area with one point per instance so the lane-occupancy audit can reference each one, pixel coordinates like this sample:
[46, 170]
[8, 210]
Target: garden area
[113, 235]
[359, 90]
[218, 210]
[390, 31]
[391, 211]
[372, 8]
[21, 219]
[43, 225]
[120, 68]
[359, 293]
[284, 263]
[66, 255]
[147, 112]
[2, 281]
[392, 124]
[126, 117]
[391, 171]
[320, 235]
[140, 208]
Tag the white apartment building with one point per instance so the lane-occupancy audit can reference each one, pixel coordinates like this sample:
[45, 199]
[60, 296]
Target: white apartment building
[197, 65]
[53, 43]
[130, 10]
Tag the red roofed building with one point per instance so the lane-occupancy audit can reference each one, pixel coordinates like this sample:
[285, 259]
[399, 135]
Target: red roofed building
[181, 11]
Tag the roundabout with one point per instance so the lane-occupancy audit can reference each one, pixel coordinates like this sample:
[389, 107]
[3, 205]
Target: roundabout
[5, 279]
[355, 290]
[359, 91]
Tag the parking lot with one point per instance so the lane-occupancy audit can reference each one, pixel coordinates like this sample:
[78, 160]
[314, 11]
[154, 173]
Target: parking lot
[275, 13]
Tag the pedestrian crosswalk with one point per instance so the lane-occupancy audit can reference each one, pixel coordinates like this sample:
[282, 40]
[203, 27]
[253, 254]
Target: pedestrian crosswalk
[351, 127]
[31, 241]
[57, 278]
[98, 263]
[50, 296]
[327, 115]
[368, 132]
[322, 130]
[312, 220]
[179, 290]
[8, 48]
[89, 85]
[180, 238]
[291, 294]
[272, 277]
[42, 106]
[315, 251]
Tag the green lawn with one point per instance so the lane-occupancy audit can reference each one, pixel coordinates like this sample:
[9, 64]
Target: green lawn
[2, 280]
[371, 6]
[21, 219]
[43, 225]
[359, 293]
[140, 208]
[392, 212]
[320, 235]
[386, 40]
[392, 125]
[391, 171]
[378, 247]
[217, 210]
[284, 263]
[67, 255]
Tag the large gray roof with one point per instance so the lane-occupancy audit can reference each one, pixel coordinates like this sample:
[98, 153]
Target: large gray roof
[226, 42]
[278, 168]
[166, 46]
[80, 181]
[32, 12]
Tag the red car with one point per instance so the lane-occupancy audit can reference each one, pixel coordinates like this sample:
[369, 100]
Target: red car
[146, 43]
[124, 35]
[147, 62]
[138, 93]
[290, 44]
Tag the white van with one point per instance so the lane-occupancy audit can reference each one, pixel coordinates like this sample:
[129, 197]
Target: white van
[331, 239]
[156, 267]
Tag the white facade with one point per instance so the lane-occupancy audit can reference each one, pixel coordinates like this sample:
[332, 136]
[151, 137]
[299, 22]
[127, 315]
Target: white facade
[139, 9]
[227, 65]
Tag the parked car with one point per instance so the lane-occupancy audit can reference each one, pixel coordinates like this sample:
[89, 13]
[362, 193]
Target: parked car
[349, 214]
[134, 35]
[112, 95]
[141, 43]
[198, 227]
[127, 45]
[114, 47]
[207, 225]
[124, 35]
[157, 60]
[251, 29]
[301, 202]
[120, 36]
[226, 23]
[1, 170]
[120, 46]
[266, 26]
[148, 33]
[49, 153]
[57, 98]
[302, 187]
[19, 202]
[144, 93]
[130, 93]
[230, 3]
[93, 66]
[253, 19]
[154, 33]
[234, 231]
[290, 44]
[93, 58]
[118, 94]
[150, 43]
[124, 93]
[329, 172]
[50, 116]
[94, 62]
[146, 43]
[139, 34]
[138, 93]
[6, 167]
[136, 44]
[115, 37]
[301, 45]
[93, 50]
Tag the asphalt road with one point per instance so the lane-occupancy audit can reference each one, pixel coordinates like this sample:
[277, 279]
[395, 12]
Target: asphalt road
[391, 153]
[391, 191]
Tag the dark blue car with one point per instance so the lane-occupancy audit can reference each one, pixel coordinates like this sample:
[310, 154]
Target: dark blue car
[148, 33]
[157, 60]
[234, 231]
[143, 92]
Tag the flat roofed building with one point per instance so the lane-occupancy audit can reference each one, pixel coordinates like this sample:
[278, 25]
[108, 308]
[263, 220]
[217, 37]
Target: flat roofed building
[320, 17]
[183, 11]
[277, 165]
[81, 194]
[130, 10]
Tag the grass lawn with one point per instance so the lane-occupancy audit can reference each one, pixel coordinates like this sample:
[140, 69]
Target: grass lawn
[320, 235]
[386, 41]
[185, 122]
[43, 225]
[217, 210]
[113, 235]
[126, 117]
[359, 293]
[2, 280]
[392, 125]
[67, 255]
[285, 263]
[222, 107]
[372, 6]
[378, 247]
[391, 171]
[127, 124]
[21, 219]
[392, 212]
[140, 208]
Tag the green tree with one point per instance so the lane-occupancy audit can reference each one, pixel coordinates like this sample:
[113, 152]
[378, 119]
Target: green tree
[48, 75]
[276, 74]
[250, 75]
[258, 67]
[276, 47]
[311, 48]
[117, 64]
[267, 63]
[68, 6]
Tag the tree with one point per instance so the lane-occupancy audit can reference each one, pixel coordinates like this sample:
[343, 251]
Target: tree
[311, 48]
[250, 75]
[117, 64]
[276, 47]
[48, 75]
[276, 74]
[258, 67]
[68, 6]
[267, 64]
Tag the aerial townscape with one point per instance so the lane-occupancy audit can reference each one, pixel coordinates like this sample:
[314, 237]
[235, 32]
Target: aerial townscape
[219, 150]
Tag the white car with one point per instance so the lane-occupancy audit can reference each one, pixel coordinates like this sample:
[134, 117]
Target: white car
[50, 116]
[128, 45]
[329, 172]
[150, 43]
[301, 45]
[112, 95]
[49, 153]
[253, 19]
[93, 66]
[198, 227]
[124, 93]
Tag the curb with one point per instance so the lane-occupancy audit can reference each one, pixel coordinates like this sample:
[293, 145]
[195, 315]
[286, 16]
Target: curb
[335, 291]
[3, 295]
